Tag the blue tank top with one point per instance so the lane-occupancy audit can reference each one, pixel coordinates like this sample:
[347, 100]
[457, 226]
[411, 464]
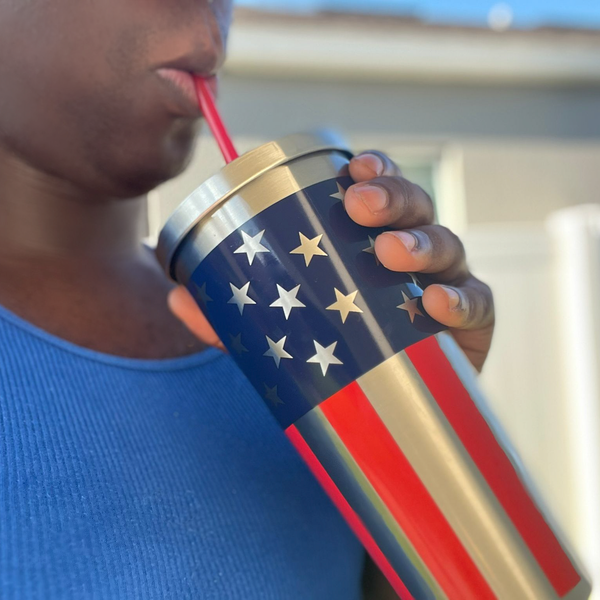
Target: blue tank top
[154, 479]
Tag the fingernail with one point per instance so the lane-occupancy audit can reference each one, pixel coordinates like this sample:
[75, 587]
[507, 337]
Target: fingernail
[408, 239]
[374, 197]
[453, 297]
[373, 162]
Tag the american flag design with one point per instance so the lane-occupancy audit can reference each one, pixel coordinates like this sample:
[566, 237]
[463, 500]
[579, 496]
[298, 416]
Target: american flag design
[381, 404]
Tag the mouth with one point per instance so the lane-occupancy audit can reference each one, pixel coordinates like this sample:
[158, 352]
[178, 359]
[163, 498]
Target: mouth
[182, 89]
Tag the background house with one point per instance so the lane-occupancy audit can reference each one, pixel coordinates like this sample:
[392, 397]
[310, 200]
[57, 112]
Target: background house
[503, 129]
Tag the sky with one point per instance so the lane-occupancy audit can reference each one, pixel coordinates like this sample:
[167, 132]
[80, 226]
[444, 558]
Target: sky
[526, 13]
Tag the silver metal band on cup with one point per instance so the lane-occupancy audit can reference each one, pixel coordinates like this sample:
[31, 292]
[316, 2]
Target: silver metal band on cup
[256, 196]
[230, 180]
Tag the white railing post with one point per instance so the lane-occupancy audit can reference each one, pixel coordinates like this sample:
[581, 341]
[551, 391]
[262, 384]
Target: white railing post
[576, 238]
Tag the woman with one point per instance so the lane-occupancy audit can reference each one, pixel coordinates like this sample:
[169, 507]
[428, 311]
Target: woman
[136, 461]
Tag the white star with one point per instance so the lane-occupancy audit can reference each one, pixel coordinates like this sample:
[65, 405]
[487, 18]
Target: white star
[324, 356]
[287, 300]
[411, 307]
[339, 195]
[276, 351]
[201, 292]
[240, 297]
[309, 248]
[272, 396]
[371, 250]
[251, 246]
[236, 344]
[345, 304]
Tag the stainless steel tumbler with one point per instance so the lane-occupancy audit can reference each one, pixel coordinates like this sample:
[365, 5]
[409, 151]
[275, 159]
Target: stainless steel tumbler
[379, 401]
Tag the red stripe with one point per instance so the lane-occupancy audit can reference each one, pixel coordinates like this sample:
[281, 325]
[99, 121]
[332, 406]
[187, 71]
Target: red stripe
[495, 466]
[391, 474]
[351, 517]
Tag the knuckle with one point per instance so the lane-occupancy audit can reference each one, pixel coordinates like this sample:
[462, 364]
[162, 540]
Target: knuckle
[402, 193]
[427, 201]
[481, 304]
[485, 289]
[456, 241]
[451, 242]
[459, 246]
[406, 188]
[488, 299]
[416, 203]
[399, 195]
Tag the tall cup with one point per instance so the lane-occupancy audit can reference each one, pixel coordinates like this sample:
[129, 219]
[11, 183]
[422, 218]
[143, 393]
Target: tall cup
[378, 400]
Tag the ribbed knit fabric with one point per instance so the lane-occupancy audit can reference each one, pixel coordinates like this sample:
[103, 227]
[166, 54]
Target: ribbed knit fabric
[154, 479]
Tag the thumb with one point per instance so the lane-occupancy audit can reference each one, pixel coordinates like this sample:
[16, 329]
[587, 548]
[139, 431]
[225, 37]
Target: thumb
[184, 307]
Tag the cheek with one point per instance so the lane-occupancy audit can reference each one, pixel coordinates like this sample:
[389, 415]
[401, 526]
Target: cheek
[134, 148]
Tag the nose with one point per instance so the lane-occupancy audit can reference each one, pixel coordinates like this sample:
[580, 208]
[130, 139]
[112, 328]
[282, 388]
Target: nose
[210, 34]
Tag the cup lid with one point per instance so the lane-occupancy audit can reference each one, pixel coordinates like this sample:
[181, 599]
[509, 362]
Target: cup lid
[231, 178]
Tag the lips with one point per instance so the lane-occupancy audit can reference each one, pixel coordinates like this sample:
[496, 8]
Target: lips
[183, 89]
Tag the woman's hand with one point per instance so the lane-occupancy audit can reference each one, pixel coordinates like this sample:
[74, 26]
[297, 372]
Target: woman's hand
[382, 197]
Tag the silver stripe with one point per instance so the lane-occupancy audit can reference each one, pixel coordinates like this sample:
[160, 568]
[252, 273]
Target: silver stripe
[315, 422]
[468, 376]
[427, 439]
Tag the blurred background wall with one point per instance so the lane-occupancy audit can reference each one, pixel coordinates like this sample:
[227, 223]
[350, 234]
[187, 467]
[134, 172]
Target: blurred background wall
[501, 125]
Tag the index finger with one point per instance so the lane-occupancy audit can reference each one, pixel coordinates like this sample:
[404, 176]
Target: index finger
[389, 201]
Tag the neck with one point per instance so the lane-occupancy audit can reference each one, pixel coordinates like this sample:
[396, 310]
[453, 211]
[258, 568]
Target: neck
[42, 216]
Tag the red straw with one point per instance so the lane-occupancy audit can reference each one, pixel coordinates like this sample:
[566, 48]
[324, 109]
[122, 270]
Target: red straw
[209, 109]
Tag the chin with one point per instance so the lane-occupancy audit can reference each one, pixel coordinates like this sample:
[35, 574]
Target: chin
[140, 182]
[151, 169]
